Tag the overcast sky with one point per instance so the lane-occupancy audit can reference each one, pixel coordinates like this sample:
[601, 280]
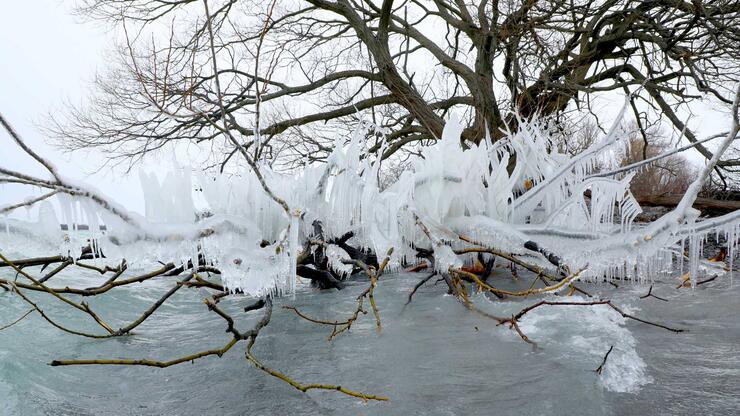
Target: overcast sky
[48, 56]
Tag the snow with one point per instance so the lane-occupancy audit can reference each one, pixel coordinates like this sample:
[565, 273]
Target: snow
[599, 327]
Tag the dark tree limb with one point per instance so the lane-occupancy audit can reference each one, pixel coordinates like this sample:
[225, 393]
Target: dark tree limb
[418, 285]
[603, 362]
[650, 294]
[592, 303]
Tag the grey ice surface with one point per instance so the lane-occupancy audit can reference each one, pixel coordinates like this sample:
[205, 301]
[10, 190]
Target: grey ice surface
[433, 357]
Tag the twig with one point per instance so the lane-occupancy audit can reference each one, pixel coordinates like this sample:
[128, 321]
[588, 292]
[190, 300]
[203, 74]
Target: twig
[56, 270]
[252, 336]
[527, 292]
[153, 363]
[485, 249]
[706, 280]
[302, 387]
[17, 138]
[121, 269]
[43, 315]
[626, 315]
[147, 362]
[598, 302]
[534, 281]
[502, 321]
[101, 270]
[418, 285]
[17, 320]
[306, 387]
[82, 307]
[650, 294]
[97, 290]
[314, 320]
[603, 362]
[36, 261]
[154, 306]
[338, 327]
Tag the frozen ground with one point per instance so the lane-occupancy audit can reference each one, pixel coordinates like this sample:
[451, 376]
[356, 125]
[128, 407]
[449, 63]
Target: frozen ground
[433, 357]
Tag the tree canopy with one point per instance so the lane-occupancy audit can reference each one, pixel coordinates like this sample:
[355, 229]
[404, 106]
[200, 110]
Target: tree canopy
[293, 72]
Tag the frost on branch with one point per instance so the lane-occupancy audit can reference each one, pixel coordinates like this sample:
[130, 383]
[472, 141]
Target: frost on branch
[549, 201]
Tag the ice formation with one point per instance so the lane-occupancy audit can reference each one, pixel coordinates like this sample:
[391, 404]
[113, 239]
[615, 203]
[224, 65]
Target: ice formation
[552, 199]
[598, 328]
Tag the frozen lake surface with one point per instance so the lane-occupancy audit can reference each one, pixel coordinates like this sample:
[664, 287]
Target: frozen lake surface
[433, 357]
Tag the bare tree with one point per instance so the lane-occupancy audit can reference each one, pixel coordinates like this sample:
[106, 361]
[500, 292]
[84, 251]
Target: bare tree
[667, 176]
[310, 67]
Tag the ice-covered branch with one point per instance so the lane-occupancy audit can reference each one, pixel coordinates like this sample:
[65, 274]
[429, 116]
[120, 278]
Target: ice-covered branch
[449, 191]
[14, 135]
[60, 184]
[648, 161]
[28, 202]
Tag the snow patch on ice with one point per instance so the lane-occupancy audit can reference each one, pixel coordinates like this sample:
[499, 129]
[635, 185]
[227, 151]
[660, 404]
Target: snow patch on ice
[599, 327]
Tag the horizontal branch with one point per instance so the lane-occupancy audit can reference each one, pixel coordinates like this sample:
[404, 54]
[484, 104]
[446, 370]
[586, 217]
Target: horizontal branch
[149, 363]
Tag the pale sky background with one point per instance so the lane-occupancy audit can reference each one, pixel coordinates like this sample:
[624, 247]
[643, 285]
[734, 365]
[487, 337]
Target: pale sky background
[49, 57]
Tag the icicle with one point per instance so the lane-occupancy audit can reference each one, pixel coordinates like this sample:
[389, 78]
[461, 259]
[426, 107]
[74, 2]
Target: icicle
[337, 257]
[453, 190]
[445, 258]
[681, 255]
[293, 251]
[731, 241]
[694, 248]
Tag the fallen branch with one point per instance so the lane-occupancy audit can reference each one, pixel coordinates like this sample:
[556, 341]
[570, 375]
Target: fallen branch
[306, 387]
[52, 322]
[237, 336]
[527, 292]
[149, 363]
[624, 314]
[339, 327]
[98, 290]
[314, 320]
[502, 321]
[482, 248]
[84, 307]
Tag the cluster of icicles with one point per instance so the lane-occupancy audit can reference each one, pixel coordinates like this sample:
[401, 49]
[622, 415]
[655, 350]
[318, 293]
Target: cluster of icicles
[452, 190]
